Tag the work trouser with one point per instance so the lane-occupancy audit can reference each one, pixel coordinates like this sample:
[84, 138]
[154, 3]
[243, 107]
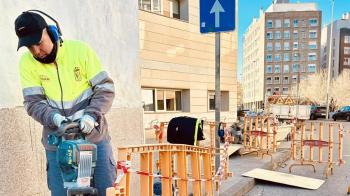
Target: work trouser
[104, 175]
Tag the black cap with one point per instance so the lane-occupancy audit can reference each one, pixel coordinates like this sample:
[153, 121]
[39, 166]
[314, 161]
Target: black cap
[29, 27]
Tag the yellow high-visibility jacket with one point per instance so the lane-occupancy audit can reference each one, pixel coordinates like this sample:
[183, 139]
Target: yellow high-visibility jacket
[74, 85]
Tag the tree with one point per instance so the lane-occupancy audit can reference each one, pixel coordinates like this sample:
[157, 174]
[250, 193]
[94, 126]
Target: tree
[315, 85]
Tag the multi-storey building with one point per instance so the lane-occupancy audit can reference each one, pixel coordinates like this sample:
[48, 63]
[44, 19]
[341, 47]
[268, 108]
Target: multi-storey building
[178, 63]
[281, 48]
[340, 59]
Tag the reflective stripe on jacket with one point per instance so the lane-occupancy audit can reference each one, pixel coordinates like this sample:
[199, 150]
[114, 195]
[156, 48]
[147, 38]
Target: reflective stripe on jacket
[73, 86]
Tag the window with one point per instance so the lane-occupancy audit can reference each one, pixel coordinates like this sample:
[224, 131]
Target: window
[151, 5]
[296, 57]
[269, 58]
[286, 23]
[296, 23]
[286, 80]
[277, 46]
[313, 22]
[277, 89]
[294, 78]
[269, 69]
[347, 39]
[277, 35]
[312, 45]
[277, 69]
[303, 34]
[286, 35]
[269, 24]
[295, 68]
[268, 91]
[174, 8]
[286, 57]
[295, 45]
[277, 57]
[168, 100]
[346, 50]
[286, 45]
[224, 100]
[277, 80]
[161, 99]
[312, 34]
[346, 61]
[303, 23]
[277, 23]
[269, 35]
[312, 57]
[286, 69]
[285, 90]
[269, 46]
[211, 96]
[269, 80]
[311, 68]
[148, 99]
[295, 34]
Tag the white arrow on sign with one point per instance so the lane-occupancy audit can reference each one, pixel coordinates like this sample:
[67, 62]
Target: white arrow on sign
[217, 8]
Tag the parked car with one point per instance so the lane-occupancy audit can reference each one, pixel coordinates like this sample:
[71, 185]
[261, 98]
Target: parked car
[318, 112]
[342, 114]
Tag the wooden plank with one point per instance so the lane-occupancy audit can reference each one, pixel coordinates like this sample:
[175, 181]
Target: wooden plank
[283, 178]
[232, 148]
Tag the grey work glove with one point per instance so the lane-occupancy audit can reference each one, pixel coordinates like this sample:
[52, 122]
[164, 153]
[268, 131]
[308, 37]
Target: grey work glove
[58, 119]
[87, 124]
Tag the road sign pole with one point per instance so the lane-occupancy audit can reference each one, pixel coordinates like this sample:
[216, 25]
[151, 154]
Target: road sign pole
[217, 97]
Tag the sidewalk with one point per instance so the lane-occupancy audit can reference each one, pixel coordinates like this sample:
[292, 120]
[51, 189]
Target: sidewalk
[238, 185]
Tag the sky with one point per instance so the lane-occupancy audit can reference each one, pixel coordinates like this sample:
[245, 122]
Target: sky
[247, 9]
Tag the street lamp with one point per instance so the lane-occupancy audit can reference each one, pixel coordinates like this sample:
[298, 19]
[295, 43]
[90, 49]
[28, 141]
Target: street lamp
[330, 60]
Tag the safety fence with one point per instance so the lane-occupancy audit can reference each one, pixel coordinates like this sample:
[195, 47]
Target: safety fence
[259, 135]
[307, 149]
[159, 131]
[192, 164]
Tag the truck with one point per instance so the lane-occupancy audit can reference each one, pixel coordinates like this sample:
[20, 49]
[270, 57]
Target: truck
[286, 107]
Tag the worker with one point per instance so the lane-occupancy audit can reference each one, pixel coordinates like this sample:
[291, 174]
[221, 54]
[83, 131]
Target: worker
[64, 81]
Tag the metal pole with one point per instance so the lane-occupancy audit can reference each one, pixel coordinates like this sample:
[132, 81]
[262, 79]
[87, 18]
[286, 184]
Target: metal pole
[330, 60]
[298, 88]
[217, 97]
[254, 71]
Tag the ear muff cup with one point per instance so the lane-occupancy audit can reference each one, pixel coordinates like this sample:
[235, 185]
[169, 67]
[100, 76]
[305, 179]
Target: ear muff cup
[53, 33]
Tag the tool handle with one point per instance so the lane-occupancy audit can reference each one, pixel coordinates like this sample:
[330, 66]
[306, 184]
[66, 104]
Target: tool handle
[72, 127]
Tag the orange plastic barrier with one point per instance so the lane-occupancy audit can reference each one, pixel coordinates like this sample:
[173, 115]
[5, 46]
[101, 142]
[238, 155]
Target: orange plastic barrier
[311, 144]
[257, 138]
[192, 165]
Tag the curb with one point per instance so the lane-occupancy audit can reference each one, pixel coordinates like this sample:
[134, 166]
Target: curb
[245, 185]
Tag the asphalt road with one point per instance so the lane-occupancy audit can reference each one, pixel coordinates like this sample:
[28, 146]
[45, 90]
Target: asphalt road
[336, 184]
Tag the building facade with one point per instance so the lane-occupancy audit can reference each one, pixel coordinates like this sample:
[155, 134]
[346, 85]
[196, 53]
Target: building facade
[178, 63]
[340, 59]
[286, 50]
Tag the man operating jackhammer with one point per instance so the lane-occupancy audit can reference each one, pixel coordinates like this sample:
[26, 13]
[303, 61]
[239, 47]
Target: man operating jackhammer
[63, 81]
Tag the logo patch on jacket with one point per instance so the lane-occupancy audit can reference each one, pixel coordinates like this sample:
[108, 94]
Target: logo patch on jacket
[77, 74]
[44, 78]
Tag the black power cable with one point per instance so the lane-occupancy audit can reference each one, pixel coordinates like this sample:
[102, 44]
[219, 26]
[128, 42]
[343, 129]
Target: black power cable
[59, 81]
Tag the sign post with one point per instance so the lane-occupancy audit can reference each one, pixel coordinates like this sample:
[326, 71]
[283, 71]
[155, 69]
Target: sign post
[217, 16]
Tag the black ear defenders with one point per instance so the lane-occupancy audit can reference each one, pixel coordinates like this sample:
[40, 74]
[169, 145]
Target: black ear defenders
[53, 31]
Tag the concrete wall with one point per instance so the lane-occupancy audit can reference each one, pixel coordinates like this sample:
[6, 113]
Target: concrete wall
[111, 28]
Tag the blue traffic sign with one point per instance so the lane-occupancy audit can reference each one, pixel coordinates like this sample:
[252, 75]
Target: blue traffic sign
[217, 15]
